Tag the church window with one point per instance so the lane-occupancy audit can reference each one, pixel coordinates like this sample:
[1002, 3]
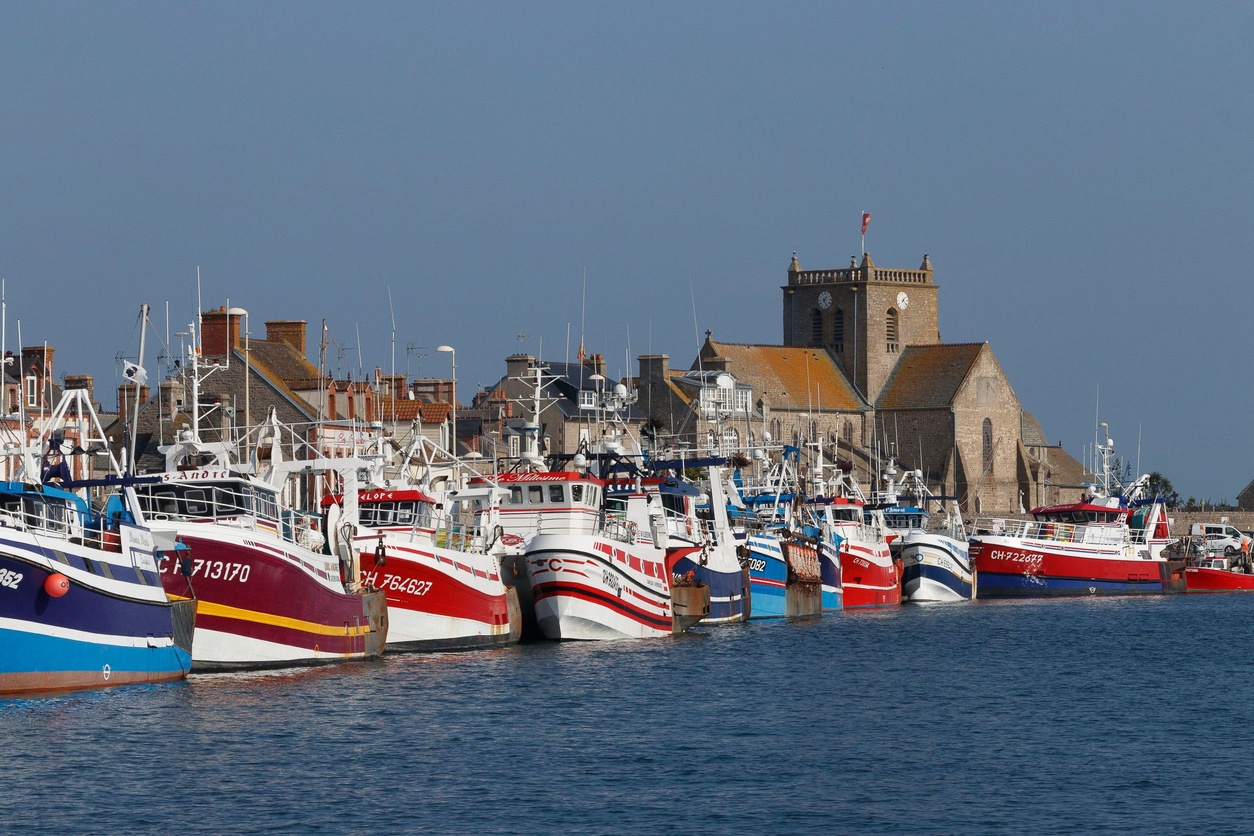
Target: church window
[988, 445]
[890, 329]
[848, 433]
[775, 430]
[816, 327]
[838, 330]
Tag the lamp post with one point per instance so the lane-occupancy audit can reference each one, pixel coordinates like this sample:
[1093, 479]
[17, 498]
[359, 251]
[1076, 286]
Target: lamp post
[238, 312]
[453, 436]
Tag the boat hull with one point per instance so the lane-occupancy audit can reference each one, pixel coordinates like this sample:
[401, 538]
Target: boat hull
[935, 569]
[1198, 579]
[778, 591]
[833, 594]
[588, 588]
[1013, 568]
[86, 638]
[258, 607]
[439, 600]
[870, 577]
[729, 586]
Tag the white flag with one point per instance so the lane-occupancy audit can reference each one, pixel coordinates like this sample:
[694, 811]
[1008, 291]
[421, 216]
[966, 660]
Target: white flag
[134, 373]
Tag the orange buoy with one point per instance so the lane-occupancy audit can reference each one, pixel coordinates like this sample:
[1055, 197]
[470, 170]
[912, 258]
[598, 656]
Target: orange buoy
[56, 585]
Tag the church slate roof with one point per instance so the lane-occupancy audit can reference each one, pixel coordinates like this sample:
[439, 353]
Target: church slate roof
[1032, 431]
[928, 376]
[283, 361]
[790, 377]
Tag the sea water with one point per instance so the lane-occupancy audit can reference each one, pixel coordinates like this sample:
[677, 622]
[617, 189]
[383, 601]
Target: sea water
[1096, 715]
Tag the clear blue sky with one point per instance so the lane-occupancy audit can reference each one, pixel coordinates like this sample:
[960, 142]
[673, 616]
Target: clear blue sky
[1079, 173]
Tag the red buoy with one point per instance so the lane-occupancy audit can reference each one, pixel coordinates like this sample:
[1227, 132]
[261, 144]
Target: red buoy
[57, 585]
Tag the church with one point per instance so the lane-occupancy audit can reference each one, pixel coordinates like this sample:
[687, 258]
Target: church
[862, 365]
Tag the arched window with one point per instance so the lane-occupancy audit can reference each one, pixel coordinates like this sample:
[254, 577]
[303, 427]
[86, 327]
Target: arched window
[988, 444]
[838, 330]
[848, 433]
[816, 327]
[890, 329]
[775, 430]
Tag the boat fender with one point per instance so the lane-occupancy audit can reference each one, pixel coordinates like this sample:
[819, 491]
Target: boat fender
[380, 556]
[56, 585]
[688, 522]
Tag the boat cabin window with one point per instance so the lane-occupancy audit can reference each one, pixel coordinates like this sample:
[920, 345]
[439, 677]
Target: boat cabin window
[616, 506]
[515, 496]
[673, 502]
[535, 494]
[556, 494]
[576, 493]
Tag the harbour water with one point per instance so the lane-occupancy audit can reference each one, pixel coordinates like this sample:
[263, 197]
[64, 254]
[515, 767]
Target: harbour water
[1097, 715]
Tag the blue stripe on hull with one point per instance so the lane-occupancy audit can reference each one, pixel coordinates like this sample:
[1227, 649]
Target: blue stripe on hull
[914, 571]
[36, 653]
[723, 585]
[833, 598]
[768, 601]
[994, 585]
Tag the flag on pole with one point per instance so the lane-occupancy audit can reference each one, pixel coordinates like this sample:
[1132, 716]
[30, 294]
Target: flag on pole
[866, 219]
[134, 373]
[580, 355]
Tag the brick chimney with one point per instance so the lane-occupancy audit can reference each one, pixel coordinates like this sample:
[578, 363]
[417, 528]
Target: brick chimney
[81, 381]
[290, 331]
[219, 332]
[126, 394]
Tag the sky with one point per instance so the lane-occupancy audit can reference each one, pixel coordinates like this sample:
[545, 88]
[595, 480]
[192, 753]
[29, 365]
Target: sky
[504, 177]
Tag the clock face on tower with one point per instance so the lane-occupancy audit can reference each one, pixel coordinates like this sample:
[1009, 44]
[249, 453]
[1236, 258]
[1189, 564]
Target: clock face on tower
[902, 300]
[825, 300]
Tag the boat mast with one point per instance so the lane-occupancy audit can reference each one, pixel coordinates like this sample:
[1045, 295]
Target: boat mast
[143, 333]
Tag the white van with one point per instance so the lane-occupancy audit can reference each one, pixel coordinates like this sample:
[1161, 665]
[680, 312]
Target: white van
[1220, 538]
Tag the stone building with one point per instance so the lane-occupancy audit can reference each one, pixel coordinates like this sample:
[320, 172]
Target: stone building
[862, 366]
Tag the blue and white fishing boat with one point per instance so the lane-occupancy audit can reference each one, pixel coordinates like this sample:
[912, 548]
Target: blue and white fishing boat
[784, 564]
[936, 560]
[81, 599]
[705, 544]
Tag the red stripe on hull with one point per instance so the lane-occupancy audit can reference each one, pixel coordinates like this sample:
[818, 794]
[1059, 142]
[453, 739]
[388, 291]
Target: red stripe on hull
[612, 603]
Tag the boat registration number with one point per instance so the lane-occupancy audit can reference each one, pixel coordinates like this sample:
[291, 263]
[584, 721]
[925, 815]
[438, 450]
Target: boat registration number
[395, 583]
[10, 579]
[1015, 557]
[757, 565]
[214, 570]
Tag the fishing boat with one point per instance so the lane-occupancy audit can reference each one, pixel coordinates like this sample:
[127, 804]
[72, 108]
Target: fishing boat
[596, 557]
[870, 575]
[935, 559]
[269, 592]
[444, 589]
[1110, 542]
[81, 600]
[785, 573]
[701, 542]
[1219, 573]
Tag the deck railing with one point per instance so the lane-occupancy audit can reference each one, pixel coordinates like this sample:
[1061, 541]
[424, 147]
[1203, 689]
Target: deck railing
[1097, 535]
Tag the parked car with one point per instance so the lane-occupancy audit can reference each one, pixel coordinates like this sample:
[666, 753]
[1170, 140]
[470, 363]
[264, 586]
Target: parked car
[1221, 538]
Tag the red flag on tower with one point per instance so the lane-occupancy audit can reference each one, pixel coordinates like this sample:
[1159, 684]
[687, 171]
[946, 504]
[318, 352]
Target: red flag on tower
[866, 219]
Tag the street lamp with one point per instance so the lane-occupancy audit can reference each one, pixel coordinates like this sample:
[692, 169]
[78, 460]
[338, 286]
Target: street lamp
[238, 312]
[450, 350]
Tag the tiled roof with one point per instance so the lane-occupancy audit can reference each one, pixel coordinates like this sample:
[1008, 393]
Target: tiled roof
[398, 409]
[433, 413]
[928, 376]
[790, 377]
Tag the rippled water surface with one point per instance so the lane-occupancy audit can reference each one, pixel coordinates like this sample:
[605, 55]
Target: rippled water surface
[1055, 716]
